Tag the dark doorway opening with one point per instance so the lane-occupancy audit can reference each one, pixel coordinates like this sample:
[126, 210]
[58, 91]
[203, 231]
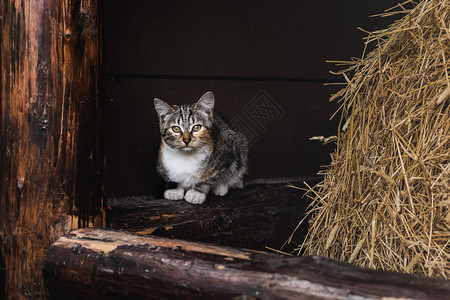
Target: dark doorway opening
[265, 63]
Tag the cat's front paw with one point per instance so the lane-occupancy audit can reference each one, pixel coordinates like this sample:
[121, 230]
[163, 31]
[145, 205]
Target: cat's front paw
[220, 190]
[195, 197]
[175, 194]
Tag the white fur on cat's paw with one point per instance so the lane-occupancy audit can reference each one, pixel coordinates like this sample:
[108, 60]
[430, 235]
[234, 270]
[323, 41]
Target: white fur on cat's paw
[195, 197]
[220, 190]
[175, 194]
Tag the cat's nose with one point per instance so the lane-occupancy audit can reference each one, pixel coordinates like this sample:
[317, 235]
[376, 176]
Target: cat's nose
[187, 140]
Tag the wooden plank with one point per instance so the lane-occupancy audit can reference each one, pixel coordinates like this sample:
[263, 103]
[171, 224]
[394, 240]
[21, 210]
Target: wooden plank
[50, 54]
[259, 215]
[100, 264]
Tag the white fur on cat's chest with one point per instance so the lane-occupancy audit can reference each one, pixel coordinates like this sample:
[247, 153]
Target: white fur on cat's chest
[181, 167]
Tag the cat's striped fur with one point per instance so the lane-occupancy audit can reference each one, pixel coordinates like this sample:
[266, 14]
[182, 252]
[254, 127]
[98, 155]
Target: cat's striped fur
[199, 151]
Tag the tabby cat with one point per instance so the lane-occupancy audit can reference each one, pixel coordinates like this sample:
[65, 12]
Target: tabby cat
[199, 151]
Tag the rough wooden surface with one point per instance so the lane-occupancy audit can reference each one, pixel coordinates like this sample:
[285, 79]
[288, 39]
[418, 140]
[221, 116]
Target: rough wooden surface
[50, 54]
[101, 264]
[259, 215]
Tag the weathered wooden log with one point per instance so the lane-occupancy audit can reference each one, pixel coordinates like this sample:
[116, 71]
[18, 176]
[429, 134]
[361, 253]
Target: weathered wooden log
[49, 132]
[257, 216]
[102, 264]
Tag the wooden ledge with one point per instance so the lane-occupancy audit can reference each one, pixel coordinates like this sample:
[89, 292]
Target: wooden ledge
[259, 215]
[103, 264]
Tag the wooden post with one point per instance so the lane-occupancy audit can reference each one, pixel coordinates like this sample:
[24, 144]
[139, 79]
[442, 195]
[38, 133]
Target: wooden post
[49, 139]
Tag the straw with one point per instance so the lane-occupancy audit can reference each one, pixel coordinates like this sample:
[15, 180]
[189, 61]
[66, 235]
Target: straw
[384, 202]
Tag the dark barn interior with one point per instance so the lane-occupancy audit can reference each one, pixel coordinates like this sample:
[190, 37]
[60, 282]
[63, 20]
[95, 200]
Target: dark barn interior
[80, 139]
[265, 63]
[267, 66]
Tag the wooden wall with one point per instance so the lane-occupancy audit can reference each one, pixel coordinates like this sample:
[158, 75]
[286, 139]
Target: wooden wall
[264, 60]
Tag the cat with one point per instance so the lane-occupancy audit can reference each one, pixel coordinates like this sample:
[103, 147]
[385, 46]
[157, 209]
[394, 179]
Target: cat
[199, 151]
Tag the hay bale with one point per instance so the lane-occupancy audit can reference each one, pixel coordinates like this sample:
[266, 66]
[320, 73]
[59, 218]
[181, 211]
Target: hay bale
[384, 202]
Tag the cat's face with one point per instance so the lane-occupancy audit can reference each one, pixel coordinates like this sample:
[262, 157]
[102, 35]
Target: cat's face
[186, 127]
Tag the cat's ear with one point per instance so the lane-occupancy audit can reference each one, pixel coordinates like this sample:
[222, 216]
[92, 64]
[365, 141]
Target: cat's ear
[162, 108]
[206, 103]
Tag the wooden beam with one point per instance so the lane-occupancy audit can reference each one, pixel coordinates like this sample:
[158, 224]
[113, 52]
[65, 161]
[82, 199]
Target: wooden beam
[49, 139]
[259, 215]
[101, 264]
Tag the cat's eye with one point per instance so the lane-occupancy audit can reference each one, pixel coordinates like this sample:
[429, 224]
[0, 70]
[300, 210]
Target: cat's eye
[176, 129]
[196, 128]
